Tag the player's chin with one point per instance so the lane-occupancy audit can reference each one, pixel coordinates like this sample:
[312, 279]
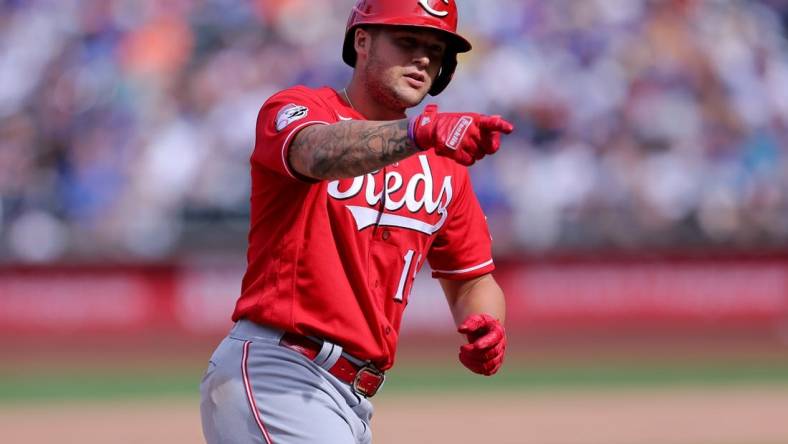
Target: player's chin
[411, 96]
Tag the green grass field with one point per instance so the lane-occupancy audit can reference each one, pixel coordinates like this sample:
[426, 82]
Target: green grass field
[651, 396]
[47, 384]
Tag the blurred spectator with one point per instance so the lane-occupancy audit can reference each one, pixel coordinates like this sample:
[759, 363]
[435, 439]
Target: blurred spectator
[126, 126]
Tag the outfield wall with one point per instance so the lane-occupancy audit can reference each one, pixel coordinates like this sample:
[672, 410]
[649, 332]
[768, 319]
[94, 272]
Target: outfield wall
[198, 297]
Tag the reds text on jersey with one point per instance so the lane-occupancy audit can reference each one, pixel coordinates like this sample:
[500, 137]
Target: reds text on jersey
[337, 259]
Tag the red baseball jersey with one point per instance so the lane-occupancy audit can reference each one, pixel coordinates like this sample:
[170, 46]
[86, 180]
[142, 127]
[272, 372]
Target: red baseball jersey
[337, 259]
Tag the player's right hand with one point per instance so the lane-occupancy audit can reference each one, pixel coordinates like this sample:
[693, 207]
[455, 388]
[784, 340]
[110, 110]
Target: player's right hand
[465, 137]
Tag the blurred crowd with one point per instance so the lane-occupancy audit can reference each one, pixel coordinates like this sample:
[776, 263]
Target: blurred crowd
[126, 125]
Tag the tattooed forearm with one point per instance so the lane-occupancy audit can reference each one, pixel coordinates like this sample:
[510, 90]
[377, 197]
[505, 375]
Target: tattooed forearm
[349, 149]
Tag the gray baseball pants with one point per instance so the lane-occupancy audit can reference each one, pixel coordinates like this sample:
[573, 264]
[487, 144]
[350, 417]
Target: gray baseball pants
[258, 392]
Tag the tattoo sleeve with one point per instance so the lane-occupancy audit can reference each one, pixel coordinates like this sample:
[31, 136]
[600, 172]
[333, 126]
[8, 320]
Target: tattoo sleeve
[350, 148]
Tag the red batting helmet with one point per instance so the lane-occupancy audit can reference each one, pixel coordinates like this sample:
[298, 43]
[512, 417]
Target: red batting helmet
[440, 15]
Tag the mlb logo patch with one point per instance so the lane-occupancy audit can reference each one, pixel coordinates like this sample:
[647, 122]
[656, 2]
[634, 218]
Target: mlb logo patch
[289, 114]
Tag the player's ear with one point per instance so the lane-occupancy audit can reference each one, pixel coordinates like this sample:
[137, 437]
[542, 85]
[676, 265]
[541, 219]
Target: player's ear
[362, 42]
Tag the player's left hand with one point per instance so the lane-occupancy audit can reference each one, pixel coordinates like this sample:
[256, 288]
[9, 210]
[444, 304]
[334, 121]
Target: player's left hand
[486, 347]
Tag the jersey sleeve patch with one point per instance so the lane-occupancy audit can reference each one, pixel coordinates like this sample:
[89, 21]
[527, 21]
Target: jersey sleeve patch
[289, 114]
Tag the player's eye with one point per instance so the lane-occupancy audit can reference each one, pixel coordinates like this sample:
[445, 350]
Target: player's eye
[436, 51]
[407, 43]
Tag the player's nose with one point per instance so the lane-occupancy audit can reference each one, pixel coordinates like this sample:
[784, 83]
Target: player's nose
[421, 60]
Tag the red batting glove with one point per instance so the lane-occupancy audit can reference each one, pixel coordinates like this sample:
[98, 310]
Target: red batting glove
[465, 137]
[486, 345]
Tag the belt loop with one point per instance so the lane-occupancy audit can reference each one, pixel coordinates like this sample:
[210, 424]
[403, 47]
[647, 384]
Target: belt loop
[328, 355]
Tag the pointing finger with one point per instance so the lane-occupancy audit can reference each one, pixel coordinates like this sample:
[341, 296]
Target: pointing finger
[495, 123]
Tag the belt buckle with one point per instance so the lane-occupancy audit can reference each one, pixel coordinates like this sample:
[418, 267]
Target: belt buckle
[368, 381]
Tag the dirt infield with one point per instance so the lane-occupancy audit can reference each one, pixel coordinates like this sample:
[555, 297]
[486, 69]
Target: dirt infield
[710, 415]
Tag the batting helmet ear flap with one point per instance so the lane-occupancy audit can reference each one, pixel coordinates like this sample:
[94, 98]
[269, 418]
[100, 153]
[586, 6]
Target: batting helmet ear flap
[445, 74]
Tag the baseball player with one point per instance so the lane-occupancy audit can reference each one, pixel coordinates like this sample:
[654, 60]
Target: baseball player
[349, 199]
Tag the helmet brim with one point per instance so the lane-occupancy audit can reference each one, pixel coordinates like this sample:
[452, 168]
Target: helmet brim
[455, 43]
